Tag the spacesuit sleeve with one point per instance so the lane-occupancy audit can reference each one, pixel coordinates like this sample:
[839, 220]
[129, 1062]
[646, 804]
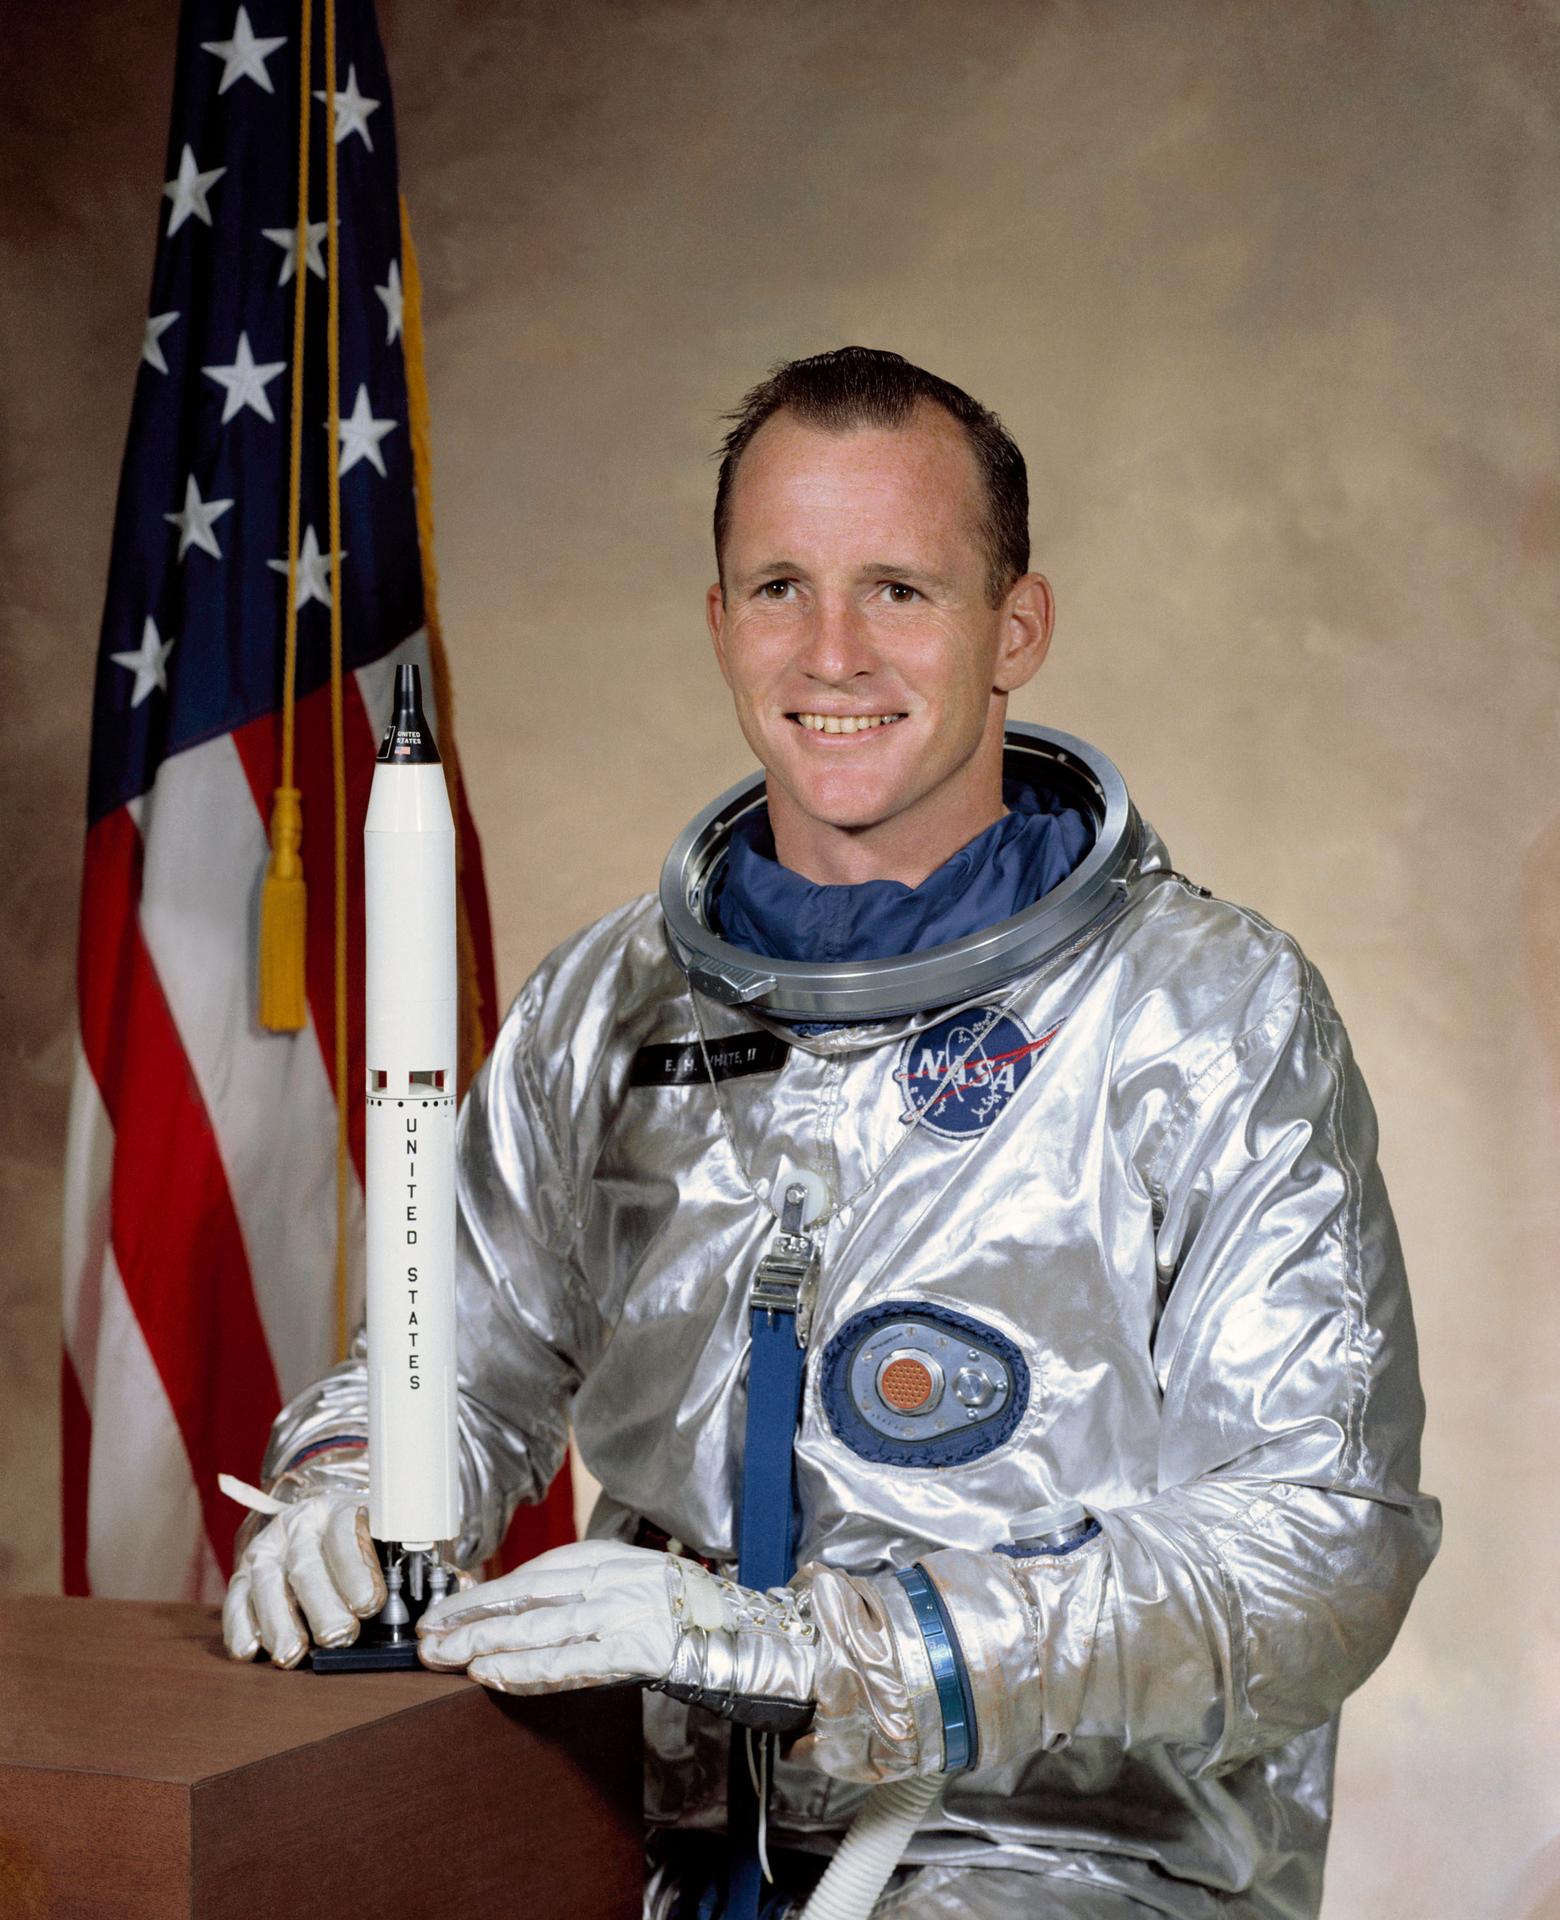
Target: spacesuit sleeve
[528, 1325]
[1269, 1574]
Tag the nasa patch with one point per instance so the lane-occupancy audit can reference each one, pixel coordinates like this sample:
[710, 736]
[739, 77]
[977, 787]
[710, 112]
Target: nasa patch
[958, 1076]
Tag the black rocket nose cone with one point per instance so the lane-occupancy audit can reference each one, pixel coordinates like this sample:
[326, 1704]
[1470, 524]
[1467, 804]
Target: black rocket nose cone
[408, 740]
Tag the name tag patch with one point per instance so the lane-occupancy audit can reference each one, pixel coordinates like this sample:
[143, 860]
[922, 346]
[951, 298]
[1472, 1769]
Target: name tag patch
[959, 1076]
[732, 1057]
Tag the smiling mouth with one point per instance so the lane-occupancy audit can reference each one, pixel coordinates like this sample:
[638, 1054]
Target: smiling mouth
[845, 722]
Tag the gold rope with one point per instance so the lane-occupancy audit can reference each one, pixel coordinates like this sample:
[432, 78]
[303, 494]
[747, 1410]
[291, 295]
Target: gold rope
[469, 1046]
[338, 759]
[283, 896]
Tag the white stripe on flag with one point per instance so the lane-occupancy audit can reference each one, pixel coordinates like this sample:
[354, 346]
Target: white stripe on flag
[207, 1579]
[89, 1168]
[268, 1095]
[146, 1538]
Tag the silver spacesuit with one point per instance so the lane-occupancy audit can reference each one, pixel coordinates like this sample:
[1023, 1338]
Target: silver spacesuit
[1102, 1241]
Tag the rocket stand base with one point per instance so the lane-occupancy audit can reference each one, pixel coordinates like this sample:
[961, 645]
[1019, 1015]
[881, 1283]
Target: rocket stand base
[387, 1642]
[371, 1652]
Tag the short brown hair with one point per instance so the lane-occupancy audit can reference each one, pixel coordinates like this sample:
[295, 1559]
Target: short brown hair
[870, 387]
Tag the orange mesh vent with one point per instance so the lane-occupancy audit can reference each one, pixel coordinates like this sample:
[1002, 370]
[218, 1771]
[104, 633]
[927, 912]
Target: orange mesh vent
[906, 1385]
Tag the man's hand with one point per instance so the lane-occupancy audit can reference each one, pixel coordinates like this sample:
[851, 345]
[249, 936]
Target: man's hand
[593, 1613]
[313, 1563]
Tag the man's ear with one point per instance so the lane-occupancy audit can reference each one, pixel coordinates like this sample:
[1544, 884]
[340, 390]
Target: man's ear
[715, 615]
[1028, 615]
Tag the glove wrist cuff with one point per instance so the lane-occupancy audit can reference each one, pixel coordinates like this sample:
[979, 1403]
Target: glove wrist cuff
[337, 1468]
[337, 1465]
[757, 1667]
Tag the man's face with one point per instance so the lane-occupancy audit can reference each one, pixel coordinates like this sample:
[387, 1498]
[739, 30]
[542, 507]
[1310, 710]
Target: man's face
[868, 666]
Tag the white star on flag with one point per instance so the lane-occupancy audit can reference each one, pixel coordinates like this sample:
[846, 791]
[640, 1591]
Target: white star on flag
[313, 571]
[149, 663]
[157, 324]
[188, 189]
[243, 57]
[245, 382]
[287, 239]
[390, 293]
[352, 110]
[196, 521]
[361, 434]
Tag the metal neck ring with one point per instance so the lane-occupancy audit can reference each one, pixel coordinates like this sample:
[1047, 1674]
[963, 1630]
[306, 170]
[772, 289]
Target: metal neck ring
[831, 991]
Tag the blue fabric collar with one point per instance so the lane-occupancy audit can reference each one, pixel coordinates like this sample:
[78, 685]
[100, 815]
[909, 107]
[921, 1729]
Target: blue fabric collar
[763, 907]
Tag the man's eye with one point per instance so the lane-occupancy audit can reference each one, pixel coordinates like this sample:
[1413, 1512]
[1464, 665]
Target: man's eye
[900, 592]
[775, 589]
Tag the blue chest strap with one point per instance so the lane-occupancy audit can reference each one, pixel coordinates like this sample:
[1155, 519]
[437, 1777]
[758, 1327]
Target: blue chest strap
[766, 1538]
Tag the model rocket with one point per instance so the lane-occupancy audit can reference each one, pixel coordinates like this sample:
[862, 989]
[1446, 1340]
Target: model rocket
[409, 1198]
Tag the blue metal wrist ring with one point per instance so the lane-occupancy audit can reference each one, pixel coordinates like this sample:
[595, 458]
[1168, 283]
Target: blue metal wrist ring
[949, 1673]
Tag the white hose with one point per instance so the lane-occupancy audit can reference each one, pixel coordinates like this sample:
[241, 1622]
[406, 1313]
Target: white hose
[872, 1847]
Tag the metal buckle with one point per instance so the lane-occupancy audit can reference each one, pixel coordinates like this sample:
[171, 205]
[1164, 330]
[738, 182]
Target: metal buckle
[786, 1279]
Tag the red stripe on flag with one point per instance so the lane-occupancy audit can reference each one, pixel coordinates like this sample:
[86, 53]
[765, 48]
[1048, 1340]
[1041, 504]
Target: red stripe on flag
[175, 1235]
[75, 1458]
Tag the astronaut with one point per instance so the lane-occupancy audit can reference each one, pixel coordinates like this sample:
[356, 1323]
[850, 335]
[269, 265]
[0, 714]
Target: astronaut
[957, 1242]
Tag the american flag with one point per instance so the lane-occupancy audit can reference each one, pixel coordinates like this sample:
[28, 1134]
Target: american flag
[200, 1235]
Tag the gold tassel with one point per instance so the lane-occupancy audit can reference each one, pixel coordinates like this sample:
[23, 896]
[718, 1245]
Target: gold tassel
[284, 1002]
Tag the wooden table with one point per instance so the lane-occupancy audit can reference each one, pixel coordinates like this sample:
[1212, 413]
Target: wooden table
[145, 1775]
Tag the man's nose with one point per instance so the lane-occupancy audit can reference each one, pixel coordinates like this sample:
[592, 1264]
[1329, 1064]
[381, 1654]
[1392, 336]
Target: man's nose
[838, 643]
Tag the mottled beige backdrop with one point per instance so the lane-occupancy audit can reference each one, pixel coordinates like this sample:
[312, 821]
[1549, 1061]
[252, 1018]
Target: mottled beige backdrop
[1269, 295]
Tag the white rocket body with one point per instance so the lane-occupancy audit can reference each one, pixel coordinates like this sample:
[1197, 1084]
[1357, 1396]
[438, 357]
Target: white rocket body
[409, 883]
